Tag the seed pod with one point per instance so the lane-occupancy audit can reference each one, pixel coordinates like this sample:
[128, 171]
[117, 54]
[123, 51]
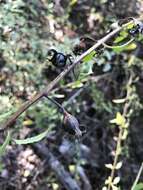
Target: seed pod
[71, 124]
[85, 43]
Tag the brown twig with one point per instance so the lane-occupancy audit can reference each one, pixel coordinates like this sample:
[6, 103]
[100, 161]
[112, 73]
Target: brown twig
[47, 89]
[62, 174]
[84, 178]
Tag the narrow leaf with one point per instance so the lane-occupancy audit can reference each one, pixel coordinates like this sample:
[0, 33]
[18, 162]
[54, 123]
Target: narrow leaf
[139, 186]
[119, 165]
[33, 139]
[120, 120]
[77, 84]
[125, 134]
[110, 166]
[116, 180]
[119, 101]
[73, 2]
[28, 122]
[89, 56]
[123, 35]
[114, 187]
[113, 120]
[6, 114]
[120, 47]
[4, 145]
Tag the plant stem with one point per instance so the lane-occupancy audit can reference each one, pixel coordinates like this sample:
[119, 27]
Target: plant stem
[57, 104]
[137, 177]
[116, 156]
[119, 140]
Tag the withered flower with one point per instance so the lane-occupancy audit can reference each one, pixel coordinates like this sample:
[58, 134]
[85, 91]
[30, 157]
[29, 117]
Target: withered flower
[71, 124]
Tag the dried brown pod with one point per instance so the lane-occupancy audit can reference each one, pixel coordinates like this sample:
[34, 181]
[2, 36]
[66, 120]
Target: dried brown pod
[71, 124]
[126, 20]
[85, 43]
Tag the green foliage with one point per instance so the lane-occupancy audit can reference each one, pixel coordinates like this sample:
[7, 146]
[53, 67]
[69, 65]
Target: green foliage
[119, 120]
[129, 47]
[101, 104]
[34, 139]
[85, 70]
[3, 148]
[104, 61]
[45, 114]
[139, 186]
[4, 145]
[122, 36]
[6, 108]
[21, 38]
[90, 56]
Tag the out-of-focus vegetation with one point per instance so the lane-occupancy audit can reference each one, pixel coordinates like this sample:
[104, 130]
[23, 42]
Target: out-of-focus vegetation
[104, 93]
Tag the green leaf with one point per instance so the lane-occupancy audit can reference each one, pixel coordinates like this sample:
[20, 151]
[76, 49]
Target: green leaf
[131, 46]
[139, 186]
[119, 101]
[34, 139]
[107, 67]
[118, 165]
[109, 166]
[5, 115]
[89, 57]
[85, 70]
[4, 145]
[130, 26]
[123, 35]
[73, 2]
[123, 46]
[116, 180]
[77, 84]
[119, 120]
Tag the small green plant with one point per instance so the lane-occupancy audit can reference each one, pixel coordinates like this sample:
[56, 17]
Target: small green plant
[123, 123]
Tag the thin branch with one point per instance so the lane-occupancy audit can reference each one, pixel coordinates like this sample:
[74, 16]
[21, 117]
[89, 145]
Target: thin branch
[62, 174]
[47, 89]
[56, 103]
[84, 178]
[137, 177]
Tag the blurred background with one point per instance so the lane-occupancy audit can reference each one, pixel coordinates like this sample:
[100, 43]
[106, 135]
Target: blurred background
[28, 29]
